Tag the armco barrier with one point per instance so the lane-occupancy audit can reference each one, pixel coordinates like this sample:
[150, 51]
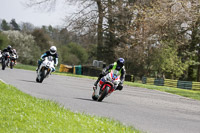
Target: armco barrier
[88, 71]
[159, 82]
[172, 83]
[184, 84]
[196, 86]
[150, 81]
[66, 68]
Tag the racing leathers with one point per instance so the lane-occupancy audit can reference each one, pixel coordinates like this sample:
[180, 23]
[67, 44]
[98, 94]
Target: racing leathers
[108, 69]
[46, 54]
[10, 51]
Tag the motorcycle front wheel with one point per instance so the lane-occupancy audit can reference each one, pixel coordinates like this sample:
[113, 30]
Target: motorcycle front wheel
[42, 76]
[103, 94]
[3, 64]
[11, 64]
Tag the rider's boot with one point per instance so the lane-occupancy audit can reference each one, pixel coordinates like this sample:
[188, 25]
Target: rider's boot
[37, 68]
[95, 84]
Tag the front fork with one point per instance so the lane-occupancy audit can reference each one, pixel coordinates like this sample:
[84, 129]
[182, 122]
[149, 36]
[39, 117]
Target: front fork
[96, 91]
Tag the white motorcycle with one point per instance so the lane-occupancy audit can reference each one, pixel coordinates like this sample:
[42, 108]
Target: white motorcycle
[106, 85]
[45, 69]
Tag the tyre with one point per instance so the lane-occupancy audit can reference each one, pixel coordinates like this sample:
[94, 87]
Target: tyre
[94, 97]
[11, 64]
[37, 80]
[103, 94]
[42, 76]
[3, 64]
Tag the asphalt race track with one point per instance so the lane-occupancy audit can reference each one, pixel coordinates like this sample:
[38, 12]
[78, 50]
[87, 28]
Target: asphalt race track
[148, 110]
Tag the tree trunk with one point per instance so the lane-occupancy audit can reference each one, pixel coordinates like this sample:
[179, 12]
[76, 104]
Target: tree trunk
[100, 30]
[193, 47]
[111, 36]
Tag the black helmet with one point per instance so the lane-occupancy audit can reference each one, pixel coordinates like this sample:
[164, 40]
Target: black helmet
[120, 63]
[9, 47]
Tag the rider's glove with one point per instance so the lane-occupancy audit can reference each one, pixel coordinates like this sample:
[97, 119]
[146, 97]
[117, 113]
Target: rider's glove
[105, 72]
[121, 82]
[42, 59]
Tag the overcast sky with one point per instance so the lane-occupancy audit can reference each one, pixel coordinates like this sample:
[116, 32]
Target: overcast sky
[10, 9]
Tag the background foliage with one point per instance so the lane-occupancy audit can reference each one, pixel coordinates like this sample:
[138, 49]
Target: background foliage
[156, 38]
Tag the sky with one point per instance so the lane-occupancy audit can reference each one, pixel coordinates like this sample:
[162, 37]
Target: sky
[14, 9]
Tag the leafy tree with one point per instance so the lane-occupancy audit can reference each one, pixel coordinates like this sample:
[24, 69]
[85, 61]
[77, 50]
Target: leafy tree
[92, 52]
[4, 25]
[27, 27]
[3, 41]
[42, 40]
[73, 54]
[25, 46]
[15, 26]
[168, 63]
[79, 51]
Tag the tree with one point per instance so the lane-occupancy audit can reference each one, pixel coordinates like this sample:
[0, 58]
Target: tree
[42, 40]
[79, 51]
[4, 25]
[15, 26]
[3, 41]
[168, 63]
[27, 27]
[73, 54]
[25, 46]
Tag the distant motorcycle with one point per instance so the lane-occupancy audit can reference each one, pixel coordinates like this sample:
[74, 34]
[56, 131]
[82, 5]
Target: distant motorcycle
[5, 59]
[106, 85]
[13, 57]
[45, 69]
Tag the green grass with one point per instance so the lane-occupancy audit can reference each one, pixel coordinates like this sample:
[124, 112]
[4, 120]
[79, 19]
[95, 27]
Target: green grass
[20, 112]
[182, 92]
[33, 68]
[26, 67]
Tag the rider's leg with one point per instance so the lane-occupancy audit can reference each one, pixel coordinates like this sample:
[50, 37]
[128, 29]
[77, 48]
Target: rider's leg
[39, 63]
[100, 76]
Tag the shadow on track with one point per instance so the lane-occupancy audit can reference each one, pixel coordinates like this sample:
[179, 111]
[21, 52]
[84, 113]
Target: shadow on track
[86, 99]
[29, 81]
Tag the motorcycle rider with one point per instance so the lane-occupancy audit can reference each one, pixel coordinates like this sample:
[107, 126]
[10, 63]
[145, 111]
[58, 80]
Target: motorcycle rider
[52, 52]
[16, 55]
[9, 50]
[119, 65]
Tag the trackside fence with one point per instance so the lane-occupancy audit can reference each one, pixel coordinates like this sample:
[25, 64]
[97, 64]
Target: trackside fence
[189, 85]
[88, 71]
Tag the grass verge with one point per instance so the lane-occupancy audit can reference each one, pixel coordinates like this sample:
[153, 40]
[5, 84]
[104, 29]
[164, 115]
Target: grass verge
[182, 92]
[21, 112]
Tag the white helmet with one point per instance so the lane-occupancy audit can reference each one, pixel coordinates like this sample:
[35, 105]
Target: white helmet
[53, 50]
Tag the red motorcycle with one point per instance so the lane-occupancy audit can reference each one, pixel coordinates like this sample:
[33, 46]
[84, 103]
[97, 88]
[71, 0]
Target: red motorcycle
[106, 85]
